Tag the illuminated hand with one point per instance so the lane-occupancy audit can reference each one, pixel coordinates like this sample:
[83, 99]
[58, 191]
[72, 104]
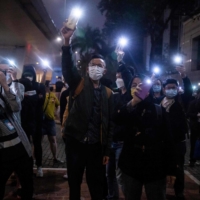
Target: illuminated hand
[67, 34]
[120, 55]
[181, 70]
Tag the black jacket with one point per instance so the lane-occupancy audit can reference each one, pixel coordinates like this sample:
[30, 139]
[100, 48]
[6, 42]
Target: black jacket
[63, 103]
[176, 117]
[28, 114]
[80, 112]
[146, 130]
[119, 131]
[40, 89]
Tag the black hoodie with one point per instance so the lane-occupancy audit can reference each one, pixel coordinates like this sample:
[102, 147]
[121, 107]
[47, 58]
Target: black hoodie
[40, 90]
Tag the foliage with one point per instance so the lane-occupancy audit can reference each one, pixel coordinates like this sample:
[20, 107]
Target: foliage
[143, 17]
[89, 41]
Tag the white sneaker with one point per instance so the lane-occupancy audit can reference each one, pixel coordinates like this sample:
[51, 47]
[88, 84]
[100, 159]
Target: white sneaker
[39, 172]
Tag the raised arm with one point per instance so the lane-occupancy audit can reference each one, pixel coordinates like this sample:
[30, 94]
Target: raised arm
[69, 71]
[186, 97]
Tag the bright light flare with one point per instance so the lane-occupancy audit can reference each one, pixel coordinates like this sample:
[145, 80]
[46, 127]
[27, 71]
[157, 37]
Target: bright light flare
[77, 12]
[156, 70]
[148, 81]
[194, 87]
[178, 59]
[45, 63]
[123, 41]
[11, 62]
[58, 39]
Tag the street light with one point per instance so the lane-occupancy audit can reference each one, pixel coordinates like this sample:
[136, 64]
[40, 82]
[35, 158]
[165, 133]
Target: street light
[76, 12]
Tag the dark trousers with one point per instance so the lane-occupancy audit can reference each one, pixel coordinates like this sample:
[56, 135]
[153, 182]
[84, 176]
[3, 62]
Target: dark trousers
[154, 190]
[180, 158]
[80, 157]
[113, 172]
[37, 142]
[23, 167]
[193, 138]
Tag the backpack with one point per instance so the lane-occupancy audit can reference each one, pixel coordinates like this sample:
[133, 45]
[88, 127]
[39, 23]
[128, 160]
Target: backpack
[71, 98]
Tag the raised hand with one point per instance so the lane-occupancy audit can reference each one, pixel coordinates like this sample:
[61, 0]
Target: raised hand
[181, 70]
[67, 34]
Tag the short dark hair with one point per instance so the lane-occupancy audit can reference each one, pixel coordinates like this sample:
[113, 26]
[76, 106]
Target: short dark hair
[51, 89]
[170, 81]
[59, 77]
[93, 56]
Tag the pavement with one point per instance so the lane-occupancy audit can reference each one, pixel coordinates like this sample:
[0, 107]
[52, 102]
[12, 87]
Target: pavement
[47, 159]
[53, 187]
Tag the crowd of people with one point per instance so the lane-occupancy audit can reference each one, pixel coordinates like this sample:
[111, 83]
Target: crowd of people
[129, 138]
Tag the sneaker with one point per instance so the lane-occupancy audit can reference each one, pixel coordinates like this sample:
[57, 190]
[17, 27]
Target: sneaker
[39, 172]
[65, 176]
[57, 161]
[197, 163]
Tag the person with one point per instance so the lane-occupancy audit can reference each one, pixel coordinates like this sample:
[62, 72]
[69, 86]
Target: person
[59, 86]
[194, 119]
[28, 112]
[175, 107]
[156, 91]
[49, 126]
[113, 172]
[29, 72]
[147, 154]
[88, 127]
[15, 148]
[11, 77]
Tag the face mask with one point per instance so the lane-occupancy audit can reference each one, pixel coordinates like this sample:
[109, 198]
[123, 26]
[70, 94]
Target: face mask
[156, 88]
[119, 82]
[29, 77]
[133, 90]
[95, 72]
[8, 78]
[171, 93]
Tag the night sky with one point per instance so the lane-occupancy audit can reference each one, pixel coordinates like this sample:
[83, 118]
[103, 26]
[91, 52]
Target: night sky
[59, 10]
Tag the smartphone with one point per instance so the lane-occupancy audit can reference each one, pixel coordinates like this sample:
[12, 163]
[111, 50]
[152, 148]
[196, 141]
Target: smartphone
[72, 21]
[142, 94]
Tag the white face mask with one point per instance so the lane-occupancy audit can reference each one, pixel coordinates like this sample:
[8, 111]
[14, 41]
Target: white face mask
[29, 77]
[95, 72]
[119, 82]
[8, 78]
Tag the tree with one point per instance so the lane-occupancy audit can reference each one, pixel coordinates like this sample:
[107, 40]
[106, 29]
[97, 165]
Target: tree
[143, 17]
[88, 41]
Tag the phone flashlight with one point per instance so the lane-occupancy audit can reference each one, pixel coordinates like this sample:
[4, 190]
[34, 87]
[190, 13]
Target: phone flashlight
[73, 18]
[178, 60]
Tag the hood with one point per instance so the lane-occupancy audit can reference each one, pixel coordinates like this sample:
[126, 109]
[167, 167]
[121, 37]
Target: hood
[29, 69]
